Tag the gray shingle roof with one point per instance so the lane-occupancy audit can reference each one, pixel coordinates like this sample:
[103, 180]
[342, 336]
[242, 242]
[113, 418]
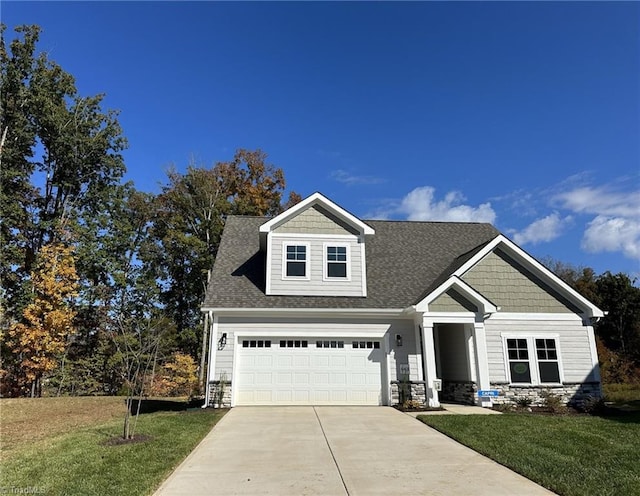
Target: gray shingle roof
[405, 261]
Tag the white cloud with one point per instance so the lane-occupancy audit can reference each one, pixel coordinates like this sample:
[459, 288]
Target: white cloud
[421, 204]
[613, 234]
[603, 200]
[345, 177]
[542, 230]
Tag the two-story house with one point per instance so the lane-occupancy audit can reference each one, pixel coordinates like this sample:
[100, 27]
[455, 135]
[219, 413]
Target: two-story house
[317, 307]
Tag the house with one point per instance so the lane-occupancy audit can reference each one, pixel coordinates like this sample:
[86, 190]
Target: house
[318, 307]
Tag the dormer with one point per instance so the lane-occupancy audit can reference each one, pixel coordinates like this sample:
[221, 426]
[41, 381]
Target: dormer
[315, 248]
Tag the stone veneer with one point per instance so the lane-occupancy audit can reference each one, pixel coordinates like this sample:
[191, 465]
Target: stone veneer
[215, 388]
[402, 391]
[463, 392]
[573, 394]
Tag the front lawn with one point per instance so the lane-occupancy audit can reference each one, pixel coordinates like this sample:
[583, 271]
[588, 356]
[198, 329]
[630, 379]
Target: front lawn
[82, 461]
[570, 455]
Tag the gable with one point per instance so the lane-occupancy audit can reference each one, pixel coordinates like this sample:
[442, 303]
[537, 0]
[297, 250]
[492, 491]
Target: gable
[513, 288]
[316, 220]
[452, 301]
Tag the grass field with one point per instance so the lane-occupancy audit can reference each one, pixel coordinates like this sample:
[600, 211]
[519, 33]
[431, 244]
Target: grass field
[75, 456]
[29, 420]
[622, 393]
[571, 455]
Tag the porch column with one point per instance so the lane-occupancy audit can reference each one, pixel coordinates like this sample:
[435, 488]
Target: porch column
[482, 361]
[429, 354]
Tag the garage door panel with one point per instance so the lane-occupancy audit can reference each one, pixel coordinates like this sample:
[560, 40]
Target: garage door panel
[320, 361]
[284, 361]
[358, 379]
[309, 375]
[301, 379]
[263, 361]
[263, 378]
[338, 379]
[301, 361]
[284, 379]
[338, 361]
[320, 379]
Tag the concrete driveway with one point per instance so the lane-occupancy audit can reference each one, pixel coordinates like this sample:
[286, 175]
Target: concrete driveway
[336, 451]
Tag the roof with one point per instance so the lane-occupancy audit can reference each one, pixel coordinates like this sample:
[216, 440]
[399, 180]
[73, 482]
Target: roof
[405, 260]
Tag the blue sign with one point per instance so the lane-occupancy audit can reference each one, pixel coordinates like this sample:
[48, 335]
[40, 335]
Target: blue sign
[484, 393]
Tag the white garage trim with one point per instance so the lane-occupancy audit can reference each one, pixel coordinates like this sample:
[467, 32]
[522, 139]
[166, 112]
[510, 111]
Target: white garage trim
[276, 372]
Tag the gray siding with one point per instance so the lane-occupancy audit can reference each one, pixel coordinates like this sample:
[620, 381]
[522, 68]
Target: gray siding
[512, 288]
[315, 220]
[575, 352]
[451, 301]
[316, 285]
[405, 355]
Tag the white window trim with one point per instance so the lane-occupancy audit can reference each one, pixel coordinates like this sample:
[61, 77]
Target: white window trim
[533, 358]
[325, 262]
[307, 266]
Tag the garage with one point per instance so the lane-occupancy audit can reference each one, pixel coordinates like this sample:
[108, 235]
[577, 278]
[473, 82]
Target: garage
[308, 371]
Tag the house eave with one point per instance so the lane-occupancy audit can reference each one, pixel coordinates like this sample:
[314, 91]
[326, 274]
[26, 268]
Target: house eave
[308, 312]
[590, 310]
[318, 199]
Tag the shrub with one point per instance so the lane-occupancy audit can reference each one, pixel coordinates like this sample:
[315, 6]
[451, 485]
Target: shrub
[593, 405]
[177, 377]
[412, 405]
[504, 407]
[523, 402]
[553, 402]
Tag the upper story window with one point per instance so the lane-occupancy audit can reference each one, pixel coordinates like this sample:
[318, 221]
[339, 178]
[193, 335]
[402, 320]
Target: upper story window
[337, 261]
[296, 260]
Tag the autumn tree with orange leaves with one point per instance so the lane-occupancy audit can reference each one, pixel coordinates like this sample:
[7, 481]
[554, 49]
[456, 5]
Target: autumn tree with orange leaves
[42, 337]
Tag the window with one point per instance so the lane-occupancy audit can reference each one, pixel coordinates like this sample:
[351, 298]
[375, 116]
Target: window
[518, 360]
[329, 344]
[526, 367]
[366, 344]
[547, 360]
[294, 344]
[296, 260]
[256, 344]
[336, 262]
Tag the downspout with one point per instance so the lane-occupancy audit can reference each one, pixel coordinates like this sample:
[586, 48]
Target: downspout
[203, 351]
[207, 352]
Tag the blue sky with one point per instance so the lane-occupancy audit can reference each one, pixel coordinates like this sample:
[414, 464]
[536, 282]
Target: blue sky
[521, 114]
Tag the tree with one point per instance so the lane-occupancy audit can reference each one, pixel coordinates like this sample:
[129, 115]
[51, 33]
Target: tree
[191, 210]
[42, 337]
[60, 158]
[620, 329]
[582, 279]
[60, 162]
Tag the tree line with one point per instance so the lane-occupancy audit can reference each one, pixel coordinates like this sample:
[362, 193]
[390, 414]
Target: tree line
[101, 283]
[618, 333]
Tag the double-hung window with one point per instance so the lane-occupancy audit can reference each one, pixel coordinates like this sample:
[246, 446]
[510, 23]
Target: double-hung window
[533, 360]
[336, 261]
[296, 260]
[518, 353]
[547, 355]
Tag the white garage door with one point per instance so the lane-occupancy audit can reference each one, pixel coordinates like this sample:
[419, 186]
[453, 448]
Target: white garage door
[285, 371]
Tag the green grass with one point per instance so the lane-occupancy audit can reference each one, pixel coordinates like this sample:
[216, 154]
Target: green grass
[80, 463]
[570, 455]
[622, 393]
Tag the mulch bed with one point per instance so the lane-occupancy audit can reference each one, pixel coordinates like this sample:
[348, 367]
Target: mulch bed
[412, 409]
[119, 441]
